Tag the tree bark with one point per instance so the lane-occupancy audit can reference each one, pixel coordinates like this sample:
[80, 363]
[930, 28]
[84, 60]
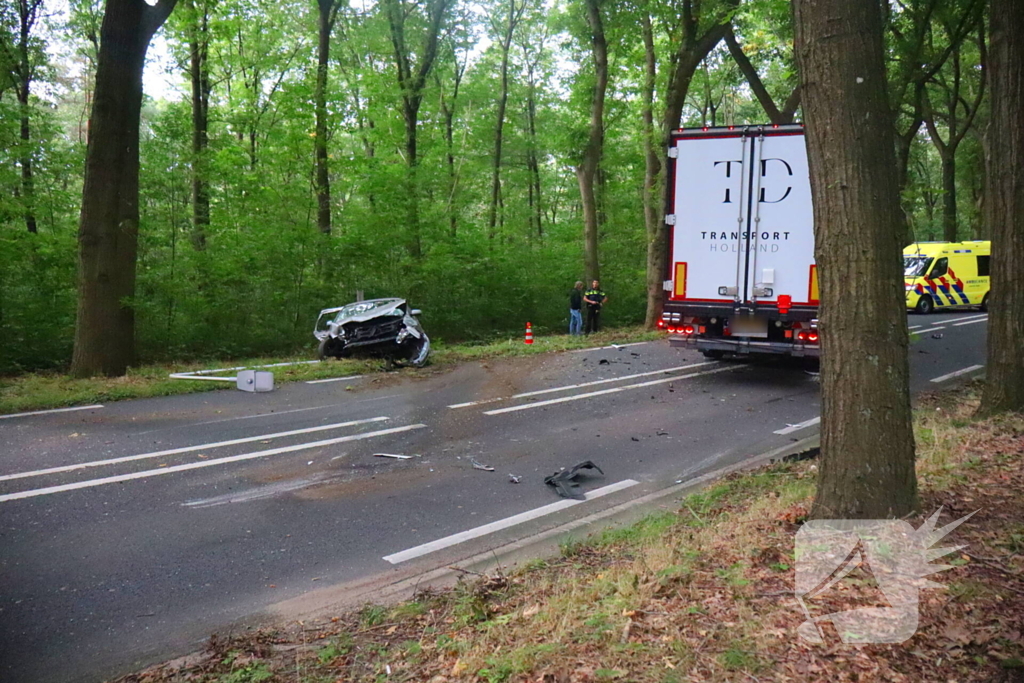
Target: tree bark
[957, 128]
[109, 224]
[1004, 388]
[775, 115]
[515, 13]
[586, 172]
[656, 243]
[532, 162]
[448, 112]
[949, 195]
[867, 443]
[22, 71]
[199, 74]
[411, 80]
[326, 14]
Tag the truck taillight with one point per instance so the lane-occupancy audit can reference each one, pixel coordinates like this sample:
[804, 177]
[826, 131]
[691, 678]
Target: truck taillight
[812, 337]
[687, 329]
[661, 324]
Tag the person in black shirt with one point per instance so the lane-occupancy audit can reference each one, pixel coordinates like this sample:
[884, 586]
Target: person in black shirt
[575, 309]
[594, 298]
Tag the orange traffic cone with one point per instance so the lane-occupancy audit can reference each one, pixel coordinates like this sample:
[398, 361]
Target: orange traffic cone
[529, 333]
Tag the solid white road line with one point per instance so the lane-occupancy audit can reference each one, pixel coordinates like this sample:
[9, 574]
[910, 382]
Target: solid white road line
[577, 397]
[943, 378]
[187, 449]
[479, 531]
[930, 329]
[967, 317]
[475, 403]
[580, 386]
[204, 463]
[914, 327]
[789, 429]
[334, 379]
[971, 322]
[613, 346]
[47, 412]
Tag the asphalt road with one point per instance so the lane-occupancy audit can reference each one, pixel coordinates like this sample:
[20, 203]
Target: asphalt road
[130, 532]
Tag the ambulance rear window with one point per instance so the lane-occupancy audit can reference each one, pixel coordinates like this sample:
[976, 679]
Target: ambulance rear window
[983, 266]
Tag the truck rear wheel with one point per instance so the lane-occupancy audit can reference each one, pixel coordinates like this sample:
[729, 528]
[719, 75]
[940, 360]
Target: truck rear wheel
[925, 305]
[714, 354]
[984, 303]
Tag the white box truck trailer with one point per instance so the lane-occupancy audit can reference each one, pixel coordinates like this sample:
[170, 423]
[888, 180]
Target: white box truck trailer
[742, 277]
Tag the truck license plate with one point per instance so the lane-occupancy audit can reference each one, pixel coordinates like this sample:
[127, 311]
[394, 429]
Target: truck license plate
[749, 326]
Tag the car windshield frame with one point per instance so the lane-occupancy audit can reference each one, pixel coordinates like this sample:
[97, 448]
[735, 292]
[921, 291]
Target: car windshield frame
[915, 265]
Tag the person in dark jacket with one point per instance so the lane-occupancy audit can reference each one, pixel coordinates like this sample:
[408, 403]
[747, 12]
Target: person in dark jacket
[594, 298]
[576, 309]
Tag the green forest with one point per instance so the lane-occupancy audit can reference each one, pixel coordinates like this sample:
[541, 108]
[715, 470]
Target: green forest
[475, 158]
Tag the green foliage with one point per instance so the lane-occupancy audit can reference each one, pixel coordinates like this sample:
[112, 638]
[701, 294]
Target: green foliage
[265, 271]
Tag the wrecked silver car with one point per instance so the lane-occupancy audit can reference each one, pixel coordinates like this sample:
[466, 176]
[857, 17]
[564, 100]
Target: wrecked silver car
[379, 328]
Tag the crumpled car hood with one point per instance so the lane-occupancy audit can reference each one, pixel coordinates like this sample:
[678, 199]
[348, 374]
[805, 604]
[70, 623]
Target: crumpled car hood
[371, 309]
[360, 311]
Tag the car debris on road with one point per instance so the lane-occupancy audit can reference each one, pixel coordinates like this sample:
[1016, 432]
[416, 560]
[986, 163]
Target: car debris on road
[564, 481]
[479, 466]
[514, 479]
[396, 456]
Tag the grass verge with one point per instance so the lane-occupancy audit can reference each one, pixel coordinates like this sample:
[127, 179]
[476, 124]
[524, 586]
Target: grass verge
[44, 390]
[701, 593]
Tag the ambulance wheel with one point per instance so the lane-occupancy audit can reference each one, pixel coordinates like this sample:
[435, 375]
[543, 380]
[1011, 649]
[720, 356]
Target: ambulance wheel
[925, 305]
[984, 303]
[714, 354]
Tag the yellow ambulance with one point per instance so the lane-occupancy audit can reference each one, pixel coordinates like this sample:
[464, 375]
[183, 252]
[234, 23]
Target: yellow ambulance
[941, 275]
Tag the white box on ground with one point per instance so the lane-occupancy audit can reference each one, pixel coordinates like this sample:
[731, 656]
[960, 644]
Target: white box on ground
[252, 380]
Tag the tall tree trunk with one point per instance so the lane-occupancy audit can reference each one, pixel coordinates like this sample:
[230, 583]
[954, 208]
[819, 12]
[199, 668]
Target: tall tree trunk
[515, 13]
[108, 228]
[586, 172]
[412, 187]
[199, 74]
[867, 443]
[700, 36]
[22, 72]
[956, 126]
[448, 105]
[656, 242]
[326, 13]
[449, 143]
[775, 115]
[533, 163]
[1004, 388]
[411, 80]
[949, 195]
[28, 192]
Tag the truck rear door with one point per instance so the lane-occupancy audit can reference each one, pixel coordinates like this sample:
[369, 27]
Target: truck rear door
[741, 218]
